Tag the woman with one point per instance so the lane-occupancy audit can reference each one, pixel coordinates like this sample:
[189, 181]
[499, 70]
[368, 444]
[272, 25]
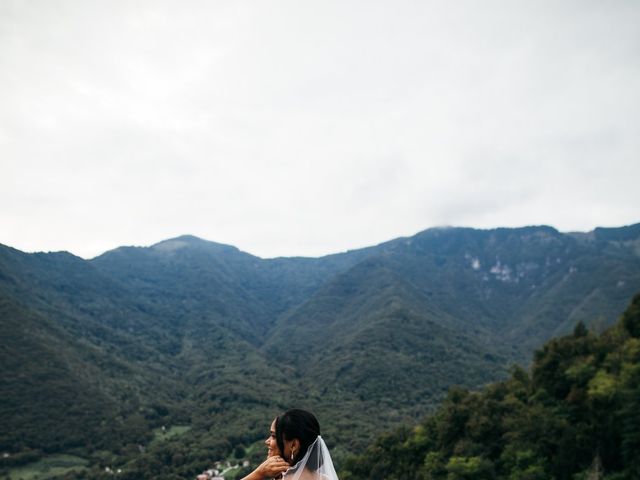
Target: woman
[296, 449]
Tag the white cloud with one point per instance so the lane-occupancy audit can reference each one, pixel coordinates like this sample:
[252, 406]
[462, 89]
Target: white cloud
[292, 128]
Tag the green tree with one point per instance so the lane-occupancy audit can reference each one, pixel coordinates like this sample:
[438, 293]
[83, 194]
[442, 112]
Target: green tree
[469, 468]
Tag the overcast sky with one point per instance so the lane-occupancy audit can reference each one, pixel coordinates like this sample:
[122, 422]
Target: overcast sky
[312, 127]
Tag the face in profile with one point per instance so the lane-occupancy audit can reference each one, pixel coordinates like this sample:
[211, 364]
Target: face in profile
[270, 442]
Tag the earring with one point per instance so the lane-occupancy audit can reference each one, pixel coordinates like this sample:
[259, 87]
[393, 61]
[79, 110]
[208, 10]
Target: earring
[293, 454]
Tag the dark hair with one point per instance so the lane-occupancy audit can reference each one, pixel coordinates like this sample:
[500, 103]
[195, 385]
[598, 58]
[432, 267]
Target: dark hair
[298, 424]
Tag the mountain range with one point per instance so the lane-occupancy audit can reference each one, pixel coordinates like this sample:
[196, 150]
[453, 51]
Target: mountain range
[98, 353]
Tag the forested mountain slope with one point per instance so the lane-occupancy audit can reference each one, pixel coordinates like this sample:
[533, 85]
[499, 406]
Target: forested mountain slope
[196, 333]
[574, 415]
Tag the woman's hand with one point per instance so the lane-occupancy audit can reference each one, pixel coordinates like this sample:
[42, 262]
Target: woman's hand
[271, 467]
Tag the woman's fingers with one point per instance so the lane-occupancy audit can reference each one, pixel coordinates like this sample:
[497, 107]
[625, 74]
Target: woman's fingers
[273, 466]
[278, 465]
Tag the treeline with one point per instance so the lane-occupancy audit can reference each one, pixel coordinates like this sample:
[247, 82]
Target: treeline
[575, 415]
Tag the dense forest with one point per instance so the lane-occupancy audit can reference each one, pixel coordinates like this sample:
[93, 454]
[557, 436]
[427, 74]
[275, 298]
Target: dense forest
[157, 361]
[574, 415]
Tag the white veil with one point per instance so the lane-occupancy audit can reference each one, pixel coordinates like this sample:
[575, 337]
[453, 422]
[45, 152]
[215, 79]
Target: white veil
[315, 465]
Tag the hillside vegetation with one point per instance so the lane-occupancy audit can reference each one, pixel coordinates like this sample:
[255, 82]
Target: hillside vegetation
[574, 415]
[212, 342]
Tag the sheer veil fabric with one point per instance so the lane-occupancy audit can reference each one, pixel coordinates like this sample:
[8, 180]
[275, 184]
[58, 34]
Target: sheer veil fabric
[315, 465]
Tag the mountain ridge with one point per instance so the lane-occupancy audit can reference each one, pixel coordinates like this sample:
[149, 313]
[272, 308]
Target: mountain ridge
[193, 332]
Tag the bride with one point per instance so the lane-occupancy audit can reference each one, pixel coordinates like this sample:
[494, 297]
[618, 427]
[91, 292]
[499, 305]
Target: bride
[296, 451]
